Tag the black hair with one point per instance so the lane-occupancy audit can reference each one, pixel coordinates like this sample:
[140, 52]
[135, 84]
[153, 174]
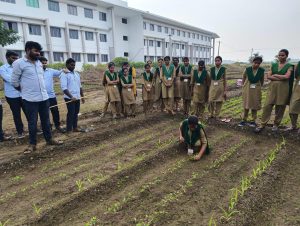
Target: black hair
[10, 53]
[285, 51]
[175, 58]
[185, 59]
[43, 59]
[219, 57]
[201, 63]
[167, 57]
[258, 58]
[70, 60]
[160, 59]
[193, 120]
[110, 64]
[33, 45]
[149, 61]
[147, 65]
[125, 63]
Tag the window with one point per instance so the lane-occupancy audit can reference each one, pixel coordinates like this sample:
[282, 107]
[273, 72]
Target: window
[88, 13]
[9, 1]
[209, 39]
[58, 56]
[11, 25]
[189, 35]
[76, 57]
[183, 33]
[72, 10]
[91, 57]
[158, 28]
[205, 38]
[102, 16]
[32, 3]
[34, 29]
[104, 58]
[158, 43]
[172, 31]
[103, 38]
[178, 32]
[124, 21]
[89, 36]
[53, 6]
[145, 25]
[182, 47]
[177, 46]
[193, 35]
[126, 54]
[167, 44]
[151, 27]
[198, 36]
[73, 34]
[151, 43]
[202, 37]
[125, 38]
[166, 30]
[55, 32]
[145, 42]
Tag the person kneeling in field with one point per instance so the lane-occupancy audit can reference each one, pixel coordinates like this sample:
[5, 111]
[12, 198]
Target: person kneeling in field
[193, 137]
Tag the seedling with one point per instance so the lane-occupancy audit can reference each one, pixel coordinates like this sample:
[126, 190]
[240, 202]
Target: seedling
[17, 178]
[79, 184]
[37, 209]
[92, 222]
[212, 221]
[4, 223]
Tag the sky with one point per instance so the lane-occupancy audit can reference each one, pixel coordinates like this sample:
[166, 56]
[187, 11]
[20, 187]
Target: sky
[264, 25]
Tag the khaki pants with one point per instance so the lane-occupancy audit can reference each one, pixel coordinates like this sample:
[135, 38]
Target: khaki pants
[294, 118]
[199, 109]
[246, 114]
[214, 108]
[267, 111]
[147, 106]
[168, 102]
[186, 106]
[129, 109]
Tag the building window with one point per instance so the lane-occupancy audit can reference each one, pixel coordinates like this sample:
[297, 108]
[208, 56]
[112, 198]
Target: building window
[125, 38]
[103, 38]
[189, 35]
[145, 25]
[151, 43]
[167, 45]
[126, 54]
[104, 58]
[206, 38]
[166, 30]
[183, 33]
[102, 16]
[178, 32]
[198, 36]
[32, 3]
[202, 37]
[76, 57]
[89, 36]
[172, 31]
[53, 6]
[124, 21]
[209, 39]
[177, 46]
[72, 10]
[34, 29]
[55, 32]
[88, 13]
[91, 57]
[182, 47]
[193, 35]
[9, 1]
[158, 43]
[159, 28]
[11, 25]
[151, 27]
[73, 34]
[58, 56]
[145, 42]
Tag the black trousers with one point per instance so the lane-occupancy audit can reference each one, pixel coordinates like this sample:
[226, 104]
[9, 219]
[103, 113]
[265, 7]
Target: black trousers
[72, 115]
[16, 104]
[54, 112]
[1, 117]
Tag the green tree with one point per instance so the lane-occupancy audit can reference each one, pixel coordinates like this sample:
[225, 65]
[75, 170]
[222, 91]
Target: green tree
[7, 36]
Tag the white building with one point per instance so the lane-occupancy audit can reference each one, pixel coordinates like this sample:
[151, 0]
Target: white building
[96, 31]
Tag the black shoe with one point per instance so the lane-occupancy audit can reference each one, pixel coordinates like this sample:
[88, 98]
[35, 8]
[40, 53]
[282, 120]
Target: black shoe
[60, 129]
[258, 129]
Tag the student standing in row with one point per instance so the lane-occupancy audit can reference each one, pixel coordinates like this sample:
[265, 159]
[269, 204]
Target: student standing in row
[13, 96]
[128, 93]
[112, 90]
[217, 89]
[200, 87]
[147, 89]
[158, 102]
[49, 75]
[278, 93]
[167, 76]
[253, 80]
[106, 96]
[186, 72]
[28, 78]
[71, 86]
[177, 95]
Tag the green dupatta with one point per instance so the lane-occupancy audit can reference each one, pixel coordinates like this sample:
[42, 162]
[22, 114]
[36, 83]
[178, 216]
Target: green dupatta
[110, 76]
[188, 71]
[201, 78]
[125, 81]
[217, 76]
[150, 78]
[168, 73]
[255, 78]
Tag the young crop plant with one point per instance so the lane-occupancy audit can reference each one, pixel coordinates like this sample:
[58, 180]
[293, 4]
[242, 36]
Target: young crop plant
[5, 223]
[79, 184]
[37, 209]
[92, 222]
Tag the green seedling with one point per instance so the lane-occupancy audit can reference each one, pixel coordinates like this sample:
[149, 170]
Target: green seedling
[227, 215]
[5, 223]
[17, 178]
[79, 184]
[212, 221]
[37, 209]
[92, 222]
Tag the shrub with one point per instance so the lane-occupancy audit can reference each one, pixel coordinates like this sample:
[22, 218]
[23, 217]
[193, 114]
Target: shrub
[57, 66]
[139, 65]
[87, 67]
[119, 61]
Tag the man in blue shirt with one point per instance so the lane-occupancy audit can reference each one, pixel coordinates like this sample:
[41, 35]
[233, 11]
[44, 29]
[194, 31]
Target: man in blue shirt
[71, 86]
[28, 78]
[13, 96]
[49, 75]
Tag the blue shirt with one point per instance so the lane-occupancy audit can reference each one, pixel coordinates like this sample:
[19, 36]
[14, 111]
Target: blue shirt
[49, 74]
[30, 77]
[71, 82]
[9, 91]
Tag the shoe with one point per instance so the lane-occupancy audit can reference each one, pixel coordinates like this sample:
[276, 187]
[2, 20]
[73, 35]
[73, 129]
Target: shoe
[31, 148]
[290, 129]
[6, 138]
[54, 142]
[242, 124]
[252, 124]
[275, 128]
[21, 135]
[39, 132]
[78, 130]
[259, 129]
[60, 129]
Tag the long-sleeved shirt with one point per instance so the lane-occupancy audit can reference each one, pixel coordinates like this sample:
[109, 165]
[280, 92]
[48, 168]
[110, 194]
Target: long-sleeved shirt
[6, 71]
[30, 78]
[71, 81]
[49, 74]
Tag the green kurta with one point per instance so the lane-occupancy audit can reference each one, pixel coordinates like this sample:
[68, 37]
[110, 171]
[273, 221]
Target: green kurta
[157, 84]
[295, 100]
[200, 87]
[127, 93]
[167, 76]
[185, 86]
[147, 81]
[216, 89]
[252, 88]
[112, 91]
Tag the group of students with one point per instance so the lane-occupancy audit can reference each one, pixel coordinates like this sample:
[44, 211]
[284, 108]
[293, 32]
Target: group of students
[29, 87]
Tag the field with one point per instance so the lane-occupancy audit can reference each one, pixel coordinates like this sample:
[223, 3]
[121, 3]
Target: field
[131, 172]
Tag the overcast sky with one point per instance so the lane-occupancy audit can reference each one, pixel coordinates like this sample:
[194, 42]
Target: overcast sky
[264, 25]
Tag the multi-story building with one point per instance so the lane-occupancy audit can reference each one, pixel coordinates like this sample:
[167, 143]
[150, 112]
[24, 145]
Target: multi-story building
[96, 31]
